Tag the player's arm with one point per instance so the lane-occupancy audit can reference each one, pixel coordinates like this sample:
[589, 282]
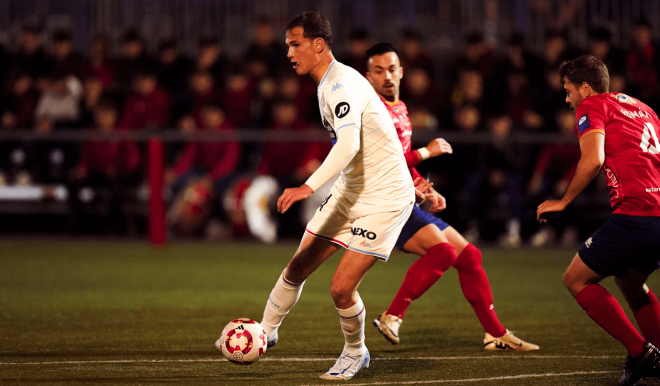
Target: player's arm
[347, 146]
[592, 147]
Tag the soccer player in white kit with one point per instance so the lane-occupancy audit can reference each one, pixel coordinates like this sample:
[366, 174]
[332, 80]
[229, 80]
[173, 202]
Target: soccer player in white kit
[368, 204]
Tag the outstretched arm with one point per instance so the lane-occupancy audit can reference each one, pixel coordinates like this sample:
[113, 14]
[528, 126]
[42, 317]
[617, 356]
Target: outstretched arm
[592, 147]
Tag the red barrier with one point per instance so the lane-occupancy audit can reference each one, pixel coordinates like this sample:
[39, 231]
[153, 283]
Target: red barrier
[157, 223]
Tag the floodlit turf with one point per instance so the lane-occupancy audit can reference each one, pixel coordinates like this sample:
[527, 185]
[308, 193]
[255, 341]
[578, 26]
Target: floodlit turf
[127, 313]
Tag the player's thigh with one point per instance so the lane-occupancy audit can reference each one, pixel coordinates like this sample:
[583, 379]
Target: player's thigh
[633, 286]
[455, 239]
[424, 239]
[374, 231]
[350, 271]
[578, 275]
[311, 253]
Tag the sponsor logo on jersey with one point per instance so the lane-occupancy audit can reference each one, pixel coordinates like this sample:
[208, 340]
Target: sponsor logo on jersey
[342, 109]
[623, 98]
[363, 233]
[583, 123]
[335, 87]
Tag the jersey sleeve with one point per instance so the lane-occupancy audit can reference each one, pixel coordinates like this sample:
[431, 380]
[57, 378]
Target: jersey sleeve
[590, 117]
[346, 103]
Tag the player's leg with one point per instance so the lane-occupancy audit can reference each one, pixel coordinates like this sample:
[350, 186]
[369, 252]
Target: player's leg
[476, 289]
[349, 273]
[643, 303]
[311, 253]
[601, 306]
[437, 255]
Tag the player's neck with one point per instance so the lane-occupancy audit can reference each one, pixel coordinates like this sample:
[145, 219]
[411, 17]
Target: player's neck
[392, 101]
[321, 68]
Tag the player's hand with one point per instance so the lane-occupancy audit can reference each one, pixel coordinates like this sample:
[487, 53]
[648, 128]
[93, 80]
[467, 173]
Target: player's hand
[547, 207]
[438, 147]
[292, 195]
[422, 189]
[439, 202]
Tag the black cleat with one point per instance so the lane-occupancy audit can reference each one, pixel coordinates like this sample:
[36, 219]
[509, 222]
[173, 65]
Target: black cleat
[642, 366]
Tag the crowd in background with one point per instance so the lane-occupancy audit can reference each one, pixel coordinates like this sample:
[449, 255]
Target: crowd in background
[492, 188]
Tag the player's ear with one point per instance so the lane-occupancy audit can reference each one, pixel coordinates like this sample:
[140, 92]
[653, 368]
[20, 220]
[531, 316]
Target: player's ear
[319, 45]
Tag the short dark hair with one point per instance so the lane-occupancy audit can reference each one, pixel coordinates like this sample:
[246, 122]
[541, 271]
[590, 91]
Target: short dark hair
[379, 49]
[314, 25]
[587, 69]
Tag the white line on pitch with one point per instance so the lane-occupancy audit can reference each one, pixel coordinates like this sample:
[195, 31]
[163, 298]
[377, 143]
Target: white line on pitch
[201, 360]
[505, 377]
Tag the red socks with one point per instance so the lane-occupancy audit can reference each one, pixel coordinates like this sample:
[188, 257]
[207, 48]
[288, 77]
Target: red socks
[603, 308]
[647, 315]
[421, 276]
[476, 289]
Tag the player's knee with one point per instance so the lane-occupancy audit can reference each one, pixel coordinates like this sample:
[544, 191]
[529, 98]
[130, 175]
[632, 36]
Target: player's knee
[341, 294]
[469, 260]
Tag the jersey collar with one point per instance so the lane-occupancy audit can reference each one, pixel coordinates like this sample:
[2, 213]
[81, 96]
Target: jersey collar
[326, 72]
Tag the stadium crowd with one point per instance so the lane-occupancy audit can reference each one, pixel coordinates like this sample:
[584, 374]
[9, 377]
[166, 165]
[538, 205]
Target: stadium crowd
[492, 188]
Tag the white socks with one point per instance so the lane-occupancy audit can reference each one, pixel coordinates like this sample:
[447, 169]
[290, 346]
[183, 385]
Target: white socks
[352, 325]
[282, 298]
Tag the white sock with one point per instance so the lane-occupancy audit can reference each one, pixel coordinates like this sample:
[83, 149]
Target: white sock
[282, 298]
[352, 325]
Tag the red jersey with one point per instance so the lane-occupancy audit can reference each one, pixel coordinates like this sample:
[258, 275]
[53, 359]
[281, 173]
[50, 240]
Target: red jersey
[632, 162]
[399, 114]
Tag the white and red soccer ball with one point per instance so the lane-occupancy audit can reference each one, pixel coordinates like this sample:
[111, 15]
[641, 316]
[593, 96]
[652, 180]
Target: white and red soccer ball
[242, 341]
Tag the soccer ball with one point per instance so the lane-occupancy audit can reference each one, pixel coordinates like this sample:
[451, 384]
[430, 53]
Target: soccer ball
[242, 341]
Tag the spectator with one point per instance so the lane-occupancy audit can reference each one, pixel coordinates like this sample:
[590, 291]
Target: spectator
[424, 99]
[148, 105]
[264, 55]
[202, 92]
[5, 63]
[495, 190]
[554, 169]
[100, 65]
[59, 104]
[643, 62]
[238, 96]
[133, 60]
[555, 50]
[478, 55]
[211, 59]
[108, 170]
[413, 54]
[202, 173]
[30, 56]
[63, 57]
[518, 58]
[358, 43]
[17, 107]
[601, 47]
[300, 90]
[173, 67]
[93, 93]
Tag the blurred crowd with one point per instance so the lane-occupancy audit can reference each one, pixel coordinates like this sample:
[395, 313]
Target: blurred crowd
[492, 188]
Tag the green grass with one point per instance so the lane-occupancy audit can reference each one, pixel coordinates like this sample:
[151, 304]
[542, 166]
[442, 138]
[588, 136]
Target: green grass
[128, 313]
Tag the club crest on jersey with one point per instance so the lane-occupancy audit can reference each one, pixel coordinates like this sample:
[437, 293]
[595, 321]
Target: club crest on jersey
[583, 123]
[342, 109]
[623, 98]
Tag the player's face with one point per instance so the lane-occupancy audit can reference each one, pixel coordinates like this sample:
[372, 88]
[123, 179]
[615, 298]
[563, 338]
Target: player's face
[302, 54]
[385, 73]
[573, 95]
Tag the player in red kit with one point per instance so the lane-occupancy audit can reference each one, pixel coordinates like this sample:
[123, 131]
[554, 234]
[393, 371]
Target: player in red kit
[439, 245]
[619, 134]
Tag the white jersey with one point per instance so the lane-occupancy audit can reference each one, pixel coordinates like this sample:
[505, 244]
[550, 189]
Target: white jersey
[378, 172]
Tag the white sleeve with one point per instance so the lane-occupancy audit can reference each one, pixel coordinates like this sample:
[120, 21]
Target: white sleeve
[348, 144]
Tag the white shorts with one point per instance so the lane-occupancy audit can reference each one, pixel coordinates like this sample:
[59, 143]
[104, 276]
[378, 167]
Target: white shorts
[369, 229]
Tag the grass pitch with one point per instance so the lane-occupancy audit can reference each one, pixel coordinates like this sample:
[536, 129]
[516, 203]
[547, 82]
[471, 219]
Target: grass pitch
[128, 313]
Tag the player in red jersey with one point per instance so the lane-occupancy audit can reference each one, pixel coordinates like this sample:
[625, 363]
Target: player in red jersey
[439, 245]
[619, 134]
